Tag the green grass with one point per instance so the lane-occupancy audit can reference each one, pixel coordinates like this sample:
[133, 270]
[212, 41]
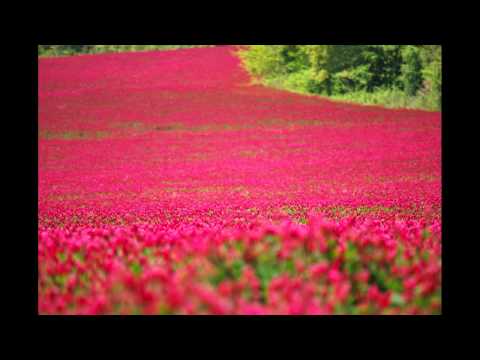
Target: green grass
[389, 98]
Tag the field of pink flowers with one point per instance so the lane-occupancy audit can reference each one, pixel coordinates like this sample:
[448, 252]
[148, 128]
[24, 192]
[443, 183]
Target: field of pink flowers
[169, 184]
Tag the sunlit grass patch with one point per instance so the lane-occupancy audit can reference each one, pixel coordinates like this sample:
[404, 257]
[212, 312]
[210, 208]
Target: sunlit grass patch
[72, 135]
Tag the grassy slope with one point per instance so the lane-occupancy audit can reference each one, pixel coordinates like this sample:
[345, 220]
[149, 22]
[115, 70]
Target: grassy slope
[393, 99]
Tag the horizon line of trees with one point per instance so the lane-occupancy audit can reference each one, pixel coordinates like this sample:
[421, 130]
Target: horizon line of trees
[340, 70]
[67, 50]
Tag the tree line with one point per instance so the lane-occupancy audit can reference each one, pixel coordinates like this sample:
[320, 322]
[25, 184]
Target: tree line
[66, 50]
[395, 75]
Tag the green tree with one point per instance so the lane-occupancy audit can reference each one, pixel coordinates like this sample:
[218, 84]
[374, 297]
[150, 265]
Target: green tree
[432, 73]
[411, 70]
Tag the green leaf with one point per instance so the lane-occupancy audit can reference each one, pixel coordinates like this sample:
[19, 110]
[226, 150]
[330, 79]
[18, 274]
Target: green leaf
[288, 266]
[397, 299]
[378, 276]
[425, 234]
[164, 309]
[395, 285]
[266, 272]
[237, 268]
[240, 246]
[78, 256]
[219, 276]
[59, 280]
[84, 278]
[62, 257]
[351, 254]
[136, 268]
[147, 252]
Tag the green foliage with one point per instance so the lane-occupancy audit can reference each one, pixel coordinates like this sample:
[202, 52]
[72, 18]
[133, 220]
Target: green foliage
[432, 73]
[78, 256]
[136, 268]
[411, 70]
[230, 272]
[391, 75]
[237, 268]
[67, 50]
[398, 300]
[62, 257]
[264, 60]
[391, 98]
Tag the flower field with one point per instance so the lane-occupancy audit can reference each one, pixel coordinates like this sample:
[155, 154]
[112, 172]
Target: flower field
[168, 183]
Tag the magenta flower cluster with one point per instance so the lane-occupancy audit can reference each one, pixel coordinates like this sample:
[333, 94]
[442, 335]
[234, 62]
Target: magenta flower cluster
[168, 183]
